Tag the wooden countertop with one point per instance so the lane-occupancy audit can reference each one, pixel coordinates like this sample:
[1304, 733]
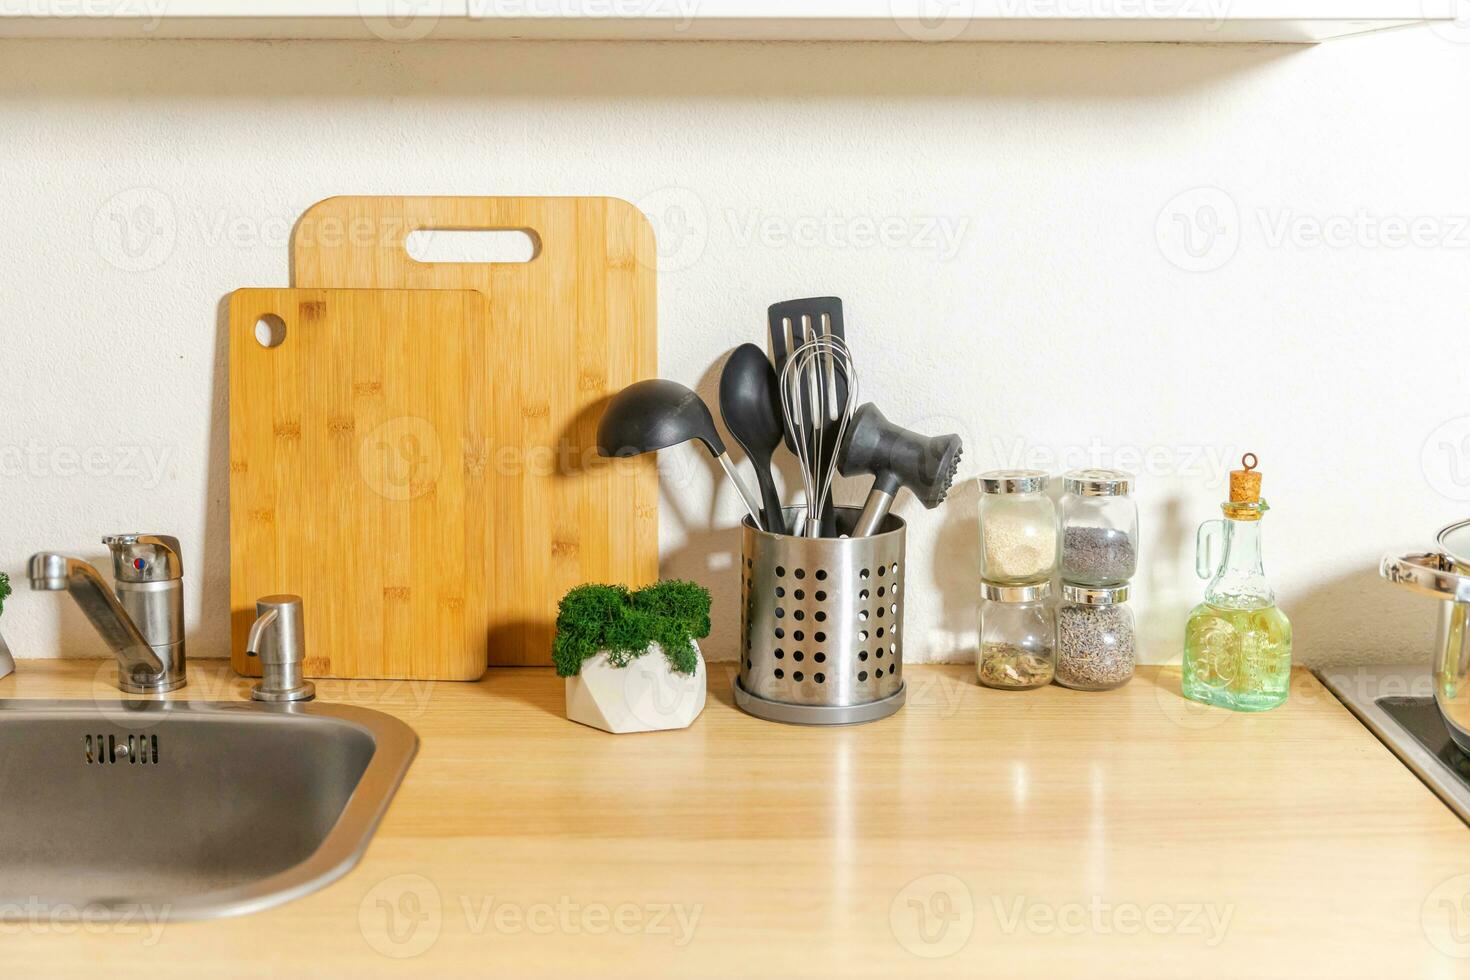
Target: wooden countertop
[1047, 833]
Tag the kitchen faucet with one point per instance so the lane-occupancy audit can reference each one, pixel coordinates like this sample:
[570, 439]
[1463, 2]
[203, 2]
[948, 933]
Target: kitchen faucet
[143, 622]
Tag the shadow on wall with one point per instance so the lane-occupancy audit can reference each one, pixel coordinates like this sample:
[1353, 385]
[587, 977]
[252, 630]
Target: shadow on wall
[212, 631]
[1173, 588]
[708, 555]
[956, 572]
[1381, 622]
[75, 635]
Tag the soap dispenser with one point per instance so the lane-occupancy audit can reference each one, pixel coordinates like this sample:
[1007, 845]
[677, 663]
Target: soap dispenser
[1237, 646]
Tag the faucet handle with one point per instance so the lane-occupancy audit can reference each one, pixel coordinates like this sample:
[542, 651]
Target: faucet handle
[145, 557]
[278, 638]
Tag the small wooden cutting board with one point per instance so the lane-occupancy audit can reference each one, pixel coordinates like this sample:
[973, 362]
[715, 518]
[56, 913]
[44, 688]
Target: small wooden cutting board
[358, 475]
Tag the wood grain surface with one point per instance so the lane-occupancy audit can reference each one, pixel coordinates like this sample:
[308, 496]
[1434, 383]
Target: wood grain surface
[569, 328]
[358, 477]
[1047, 834]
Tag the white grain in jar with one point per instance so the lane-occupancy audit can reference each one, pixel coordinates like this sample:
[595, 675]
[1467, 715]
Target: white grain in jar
[1018, 527]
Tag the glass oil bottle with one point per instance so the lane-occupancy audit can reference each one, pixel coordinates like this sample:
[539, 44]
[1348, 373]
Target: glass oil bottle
[1237, 646]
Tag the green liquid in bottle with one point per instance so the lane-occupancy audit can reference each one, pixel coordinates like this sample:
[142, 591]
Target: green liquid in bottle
[1237, 646]
[1237, 658]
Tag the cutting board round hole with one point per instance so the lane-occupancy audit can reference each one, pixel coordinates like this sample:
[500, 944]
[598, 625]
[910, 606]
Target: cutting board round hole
[270, 331]
[476, 246]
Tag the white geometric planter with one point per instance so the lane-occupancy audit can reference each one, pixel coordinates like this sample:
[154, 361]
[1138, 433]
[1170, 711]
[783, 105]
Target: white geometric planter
[646, 696]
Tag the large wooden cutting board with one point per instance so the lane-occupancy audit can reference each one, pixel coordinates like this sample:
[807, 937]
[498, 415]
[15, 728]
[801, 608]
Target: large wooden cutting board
[358, 477]
[570, 328]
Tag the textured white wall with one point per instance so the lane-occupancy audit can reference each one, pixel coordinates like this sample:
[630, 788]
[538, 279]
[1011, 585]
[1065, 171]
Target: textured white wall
[1005, 223]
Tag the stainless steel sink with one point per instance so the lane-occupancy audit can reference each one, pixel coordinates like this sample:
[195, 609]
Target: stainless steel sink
[187, 810]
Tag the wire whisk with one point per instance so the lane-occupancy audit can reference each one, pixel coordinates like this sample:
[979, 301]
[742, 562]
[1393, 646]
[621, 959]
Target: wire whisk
[816, 417]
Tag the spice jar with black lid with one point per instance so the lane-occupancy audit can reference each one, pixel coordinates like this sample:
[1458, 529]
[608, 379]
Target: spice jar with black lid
[1099, 527]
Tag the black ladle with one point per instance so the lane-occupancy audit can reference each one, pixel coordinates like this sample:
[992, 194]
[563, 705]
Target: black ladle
[751, 407]
[651, 415]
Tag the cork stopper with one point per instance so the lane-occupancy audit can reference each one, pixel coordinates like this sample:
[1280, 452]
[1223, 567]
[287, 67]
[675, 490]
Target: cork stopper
[1245, 492]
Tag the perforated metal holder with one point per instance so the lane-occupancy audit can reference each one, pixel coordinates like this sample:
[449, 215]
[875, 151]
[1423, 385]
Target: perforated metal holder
[821, 638]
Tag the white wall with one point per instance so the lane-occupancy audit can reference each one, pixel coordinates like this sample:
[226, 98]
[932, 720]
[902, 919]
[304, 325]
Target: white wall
[1030, 288]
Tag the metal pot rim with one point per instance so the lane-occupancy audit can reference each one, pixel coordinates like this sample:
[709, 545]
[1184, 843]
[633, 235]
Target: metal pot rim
[1457, 551]
[1432, 573]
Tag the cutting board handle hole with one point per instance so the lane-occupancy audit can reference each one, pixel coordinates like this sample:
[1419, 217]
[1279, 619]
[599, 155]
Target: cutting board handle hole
[477, 246]
[270, 331]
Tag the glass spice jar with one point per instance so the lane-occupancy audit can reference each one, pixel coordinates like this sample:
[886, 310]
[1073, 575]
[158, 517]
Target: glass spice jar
[1018, 631]
[1018, 527]
[1095, 638]
[1099, 527]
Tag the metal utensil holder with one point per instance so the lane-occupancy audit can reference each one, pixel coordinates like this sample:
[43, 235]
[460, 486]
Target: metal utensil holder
[821, 632]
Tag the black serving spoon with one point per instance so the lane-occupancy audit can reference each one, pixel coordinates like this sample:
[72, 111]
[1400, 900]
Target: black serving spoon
[750, 404]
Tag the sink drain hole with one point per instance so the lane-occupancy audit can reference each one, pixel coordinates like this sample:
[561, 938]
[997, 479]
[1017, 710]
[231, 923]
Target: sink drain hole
[108, 750]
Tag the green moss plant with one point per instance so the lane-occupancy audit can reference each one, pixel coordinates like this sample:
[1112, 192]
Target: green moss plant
[594, 618]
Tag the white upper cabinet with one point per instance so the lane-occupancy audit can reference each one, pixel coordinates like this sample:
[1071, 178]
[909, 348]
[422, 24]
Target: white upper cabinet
[1202, 21]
